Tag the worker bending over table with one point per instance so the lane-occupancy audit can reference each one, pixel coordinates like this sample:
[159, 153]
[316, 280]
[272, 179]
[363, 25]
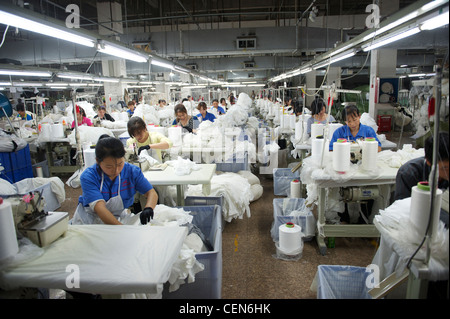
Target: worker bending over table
[187, 122]
[353, 130]
[82, 119]
[419, 169]
[204, 114]
[110, 185]
[23, 115]
[318, 109]
[145, 140]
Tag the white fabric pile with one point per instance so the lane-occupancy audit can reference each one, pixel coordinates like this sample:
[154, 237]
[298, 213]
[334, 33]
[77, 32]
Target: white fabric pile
[114, 125]
[147, 113]
[9, 143]
[186, 266]
[397, 159]
[166, 115]
[395, 221]
[236, 191]
[227, 132]
[183, 166]
[88, 135]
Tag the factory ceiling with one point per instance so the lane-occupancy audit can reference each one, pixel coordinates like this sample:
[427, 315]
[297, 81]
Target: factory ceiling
[206, 33]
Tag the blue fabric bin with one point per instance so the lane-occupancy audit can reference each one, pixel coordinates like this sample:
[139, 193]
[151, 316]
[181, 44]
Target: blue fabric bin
[208, 283]
[342, 282]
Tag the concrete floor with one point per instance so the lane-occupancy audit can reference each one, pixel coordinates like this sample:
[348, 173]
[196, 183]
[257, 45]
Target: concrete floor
[250, 269]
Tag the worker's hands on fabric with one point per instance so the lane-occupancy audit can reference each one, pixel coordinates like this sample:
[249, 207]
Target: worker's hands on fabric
[146, 147]
[146, 215]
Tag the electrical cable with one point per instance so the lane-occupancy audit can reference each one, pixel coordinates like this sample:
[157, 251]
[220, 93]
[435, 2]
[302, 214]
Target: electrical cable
[4, 36]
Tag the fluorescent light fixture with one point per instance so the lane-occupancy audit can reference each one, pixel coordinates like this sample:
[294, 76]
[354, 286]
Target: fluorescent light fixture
[306, 70]
[33, 26]
[5, 83]
[123, 53]
[416, 75]
[234, 85]
[53, 84]
[111, 80]
[26, 73]
[334, 59]
[181, 70]
[260, 85]
[74, 76]
[394, 38]
[31, 84]
[166, 65]
[435, 22]
[195, 87]
[95, 84]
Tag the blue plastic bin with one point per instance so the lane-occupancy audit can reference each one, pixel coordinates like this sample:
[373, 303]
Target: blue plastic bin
[17, 165]
[282, 178]
[234, 165]
[342, 282]
[208, 283]
[281, 216]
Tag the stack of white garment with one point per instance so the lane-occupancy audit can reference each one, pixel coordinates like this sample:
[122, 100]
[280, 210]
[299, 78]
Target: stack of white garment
[88, 135]
[255, 184]
[114, 125]
[147, 113]
[395, 221]
[236, 191]
[400, 157]
[186, 266]
[183, 166]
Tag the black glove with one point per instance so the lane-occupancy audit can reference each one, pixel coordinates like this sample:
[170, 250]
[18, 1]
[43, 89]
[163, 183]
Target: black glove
[146, 147]
[146, 215]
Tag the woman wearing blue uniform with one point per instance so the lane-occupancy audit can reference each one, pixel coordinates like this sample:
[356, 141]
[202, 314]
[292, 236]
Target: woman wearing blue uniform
[109, 187]
[204, 114]
[353, 130]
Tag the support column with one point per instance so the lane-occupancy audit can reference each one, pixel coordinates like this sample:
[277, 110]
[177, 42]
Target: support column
[112, 66]
[383, 62]
[310, 83]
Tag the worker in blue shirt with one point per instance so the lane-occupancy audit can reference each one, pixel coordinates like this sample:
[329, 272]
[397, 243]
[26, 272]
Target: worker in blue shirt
[110, 185]
[131, 107]
[22, 113]
[216, 109]
[353, 130]
[204, 114]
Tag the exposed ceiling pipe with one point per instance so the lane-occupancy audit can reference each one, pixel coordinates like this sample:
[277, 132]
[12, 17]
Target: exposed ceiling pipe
[189, 14]
[297, 25]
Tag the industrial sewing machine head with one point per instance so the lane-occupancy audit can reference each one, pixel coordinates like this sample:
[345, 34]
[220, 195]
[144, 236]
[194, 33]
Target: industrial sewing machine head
[355, 152]
[32, 221]
[97, 122]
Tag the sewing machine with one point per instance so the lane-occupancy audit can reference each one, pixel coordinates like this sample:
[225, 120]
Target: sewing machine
[355, 153]
[41, 227]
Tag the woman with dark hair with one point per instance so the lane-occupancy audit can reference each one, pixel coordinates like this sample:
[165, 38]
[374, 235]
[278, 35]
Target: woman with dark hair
[204, 114]
[110, 185]
[318, 115]
[145, 140]
[353, 130]
[184, 120]
[81, 117]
